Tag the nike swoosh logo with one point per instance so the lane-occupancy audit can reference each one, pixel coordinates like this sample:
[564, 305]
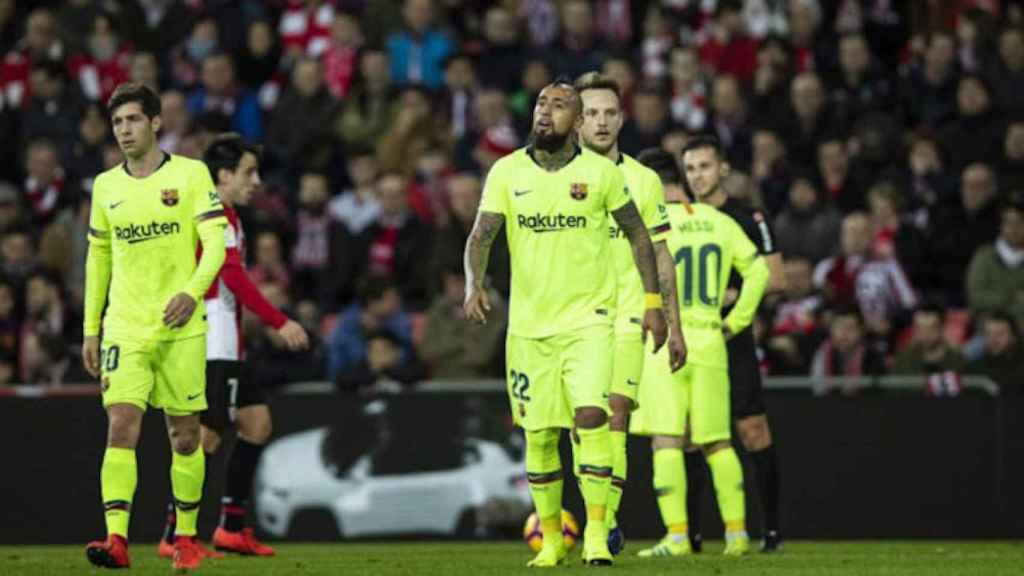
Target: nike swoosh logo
[632, 383]
[116, 204]
[521, 192]
[194, 396]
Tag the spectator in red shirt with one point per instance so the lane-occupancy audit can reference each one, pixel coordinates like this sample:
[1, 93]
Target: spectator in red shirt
[40, 42]
[727, 48]
[844, 354]
[45, 187]
[341, 56]
[305, 27]
[105, 64]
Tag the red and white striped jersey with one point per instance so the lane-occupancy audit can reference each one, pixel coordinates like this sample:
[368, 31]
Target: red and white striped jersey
[229, 292]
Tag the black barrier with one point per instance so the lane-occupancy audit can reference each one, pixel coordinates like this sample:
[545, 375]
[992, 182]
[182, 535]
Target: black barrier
[871, 467]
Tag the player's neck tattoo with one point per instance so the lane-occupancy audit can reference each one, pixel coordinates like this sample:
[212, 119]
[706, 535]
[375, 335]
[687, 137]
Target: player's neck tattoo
[556, 160]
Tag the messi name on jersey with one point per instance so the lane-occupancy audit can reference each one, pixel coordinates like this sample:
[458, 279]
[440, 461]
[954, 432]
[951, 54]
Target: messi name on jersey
[551, 222]
[134, 233]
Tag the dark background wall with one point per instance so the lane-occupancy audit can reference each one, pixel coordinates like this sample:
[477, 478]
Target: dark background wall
[870, 467]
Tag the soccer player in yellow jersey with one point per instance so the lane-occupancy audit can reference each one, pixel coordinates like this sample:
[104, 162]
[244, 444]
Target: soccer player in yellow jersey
[147, 219]
[694, 403]
[556, 202]
[599, 132]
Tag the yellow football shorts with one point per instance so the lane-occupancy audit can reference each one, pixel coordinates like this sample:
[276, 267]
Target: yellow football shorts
[695, 399]
[549, 378]
[168, 375]
[628, 366]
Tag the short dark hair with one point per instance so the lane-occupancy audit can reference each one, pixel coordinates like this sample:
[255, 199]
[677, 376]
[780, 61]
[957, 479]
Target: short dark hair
[597, 81]
[705, 141]
[663, 164]
[225, 152]
[373, 288]
[135, 92]
[1014, 203]
[1000, 315]
[932, 308]
[848, 310]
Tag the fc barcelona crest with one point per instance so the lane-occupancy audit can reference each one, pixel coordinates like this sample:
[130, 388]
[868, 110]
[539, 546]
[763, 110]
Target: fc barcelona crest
[578, 191]
[169, 196]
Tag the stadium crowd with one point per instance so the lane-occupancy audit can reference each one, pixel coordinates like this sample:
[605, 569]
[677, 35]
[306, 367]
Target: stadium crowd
[883, 140]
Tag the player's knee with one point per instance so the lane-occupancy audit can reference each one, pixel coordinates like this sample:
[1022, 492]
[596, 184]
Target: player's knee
[257, 431]
[125, 425]
[184, 433]
[754, 433]
[621, 407]
[211, 440]
[590, 417]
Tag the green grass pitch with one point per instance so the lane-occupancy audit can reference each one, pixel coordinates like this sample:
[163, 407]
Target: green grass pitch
[925, 558]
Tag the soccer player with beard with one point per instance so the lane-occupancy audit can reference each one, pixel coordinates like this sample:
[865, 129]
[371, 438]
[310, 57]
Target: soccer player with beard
[556, 199]
[599, 132]
[694, 403]
[142, 278]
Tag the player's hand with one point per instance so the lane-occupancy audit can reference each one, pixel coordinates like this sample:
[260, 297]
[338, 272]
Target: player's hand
[477, 304]
[676, 350]
[294, 336]
[91, 355]
[654, 323]
[179, 310]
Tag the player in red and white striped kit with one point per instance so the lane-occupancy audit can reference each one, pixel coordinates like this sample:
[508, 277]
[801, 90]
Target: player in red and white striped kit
[233, 400]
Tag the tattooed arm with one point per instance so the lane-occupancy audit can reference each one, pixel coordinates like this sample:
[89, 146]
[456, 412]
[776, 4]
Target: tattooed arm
[478, 251]
[629, 220]
[670, 301]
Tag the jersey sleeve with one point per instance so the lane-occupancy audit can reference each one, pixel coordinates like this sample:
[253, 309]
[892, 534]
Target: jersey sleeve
[99, 227]
[495, 195]
[98, 265]
[615, 193]
[206, 205]
[748, 262]
[755, 225]
[653, 211]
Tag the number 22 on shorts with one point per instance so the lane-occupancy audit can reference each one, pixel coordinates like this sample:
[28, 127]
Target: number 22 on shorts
[520, 384]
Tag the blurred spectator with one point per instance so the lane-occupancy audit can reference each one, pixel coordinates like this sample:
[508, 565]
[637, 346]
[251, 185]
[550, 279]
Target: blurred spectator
[259, 63]
[8, 28]
[464, 191]
[106, 61]
[995, 277]
[844, 353]
[976, 33]
[418, 51]
[186, 59]
[1011, 169]
[415, 129]
[12, 210]
[268, 261]
[976, 222]
[1007, 76]
[930, 92]
[10, 324]
[459, 91]
[929, 354]
[46, 189]
[357, 208]
[53, 110]
[836, 276]
[809, 121]
[807, 228]
[770, 169]
[145, 69]
[844, 187]
[46, 333]
[541, 17]
[726, 48]
[84, 155]
[454, 347]
[301, 124]
[269, 363]
[377, 307]
[155, 25]
[729, 121]
[388, 360]
[220, 93]
[39, 43]
[861, 85]
[500, 63]
[492, 135]
[689, 101]
[770, 94]
[793, 333]
[309, 257]
[341, 57]
[926, 179]
[974, 136]
[176, 120]
[894, 238]
[63, 247]
[578, 50]
[536, 75]
[369, 110]
[649, 122]
[805, 21]
[1003, 360]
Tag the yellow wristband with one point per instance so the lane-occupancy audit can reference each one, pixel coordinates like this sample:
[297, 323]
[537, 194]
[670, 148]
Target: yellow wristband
[652, 301]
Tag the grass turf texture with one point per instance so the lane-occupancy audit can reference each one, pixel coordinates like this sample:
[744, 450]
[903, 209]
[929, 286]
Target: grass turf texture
[926, 558]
